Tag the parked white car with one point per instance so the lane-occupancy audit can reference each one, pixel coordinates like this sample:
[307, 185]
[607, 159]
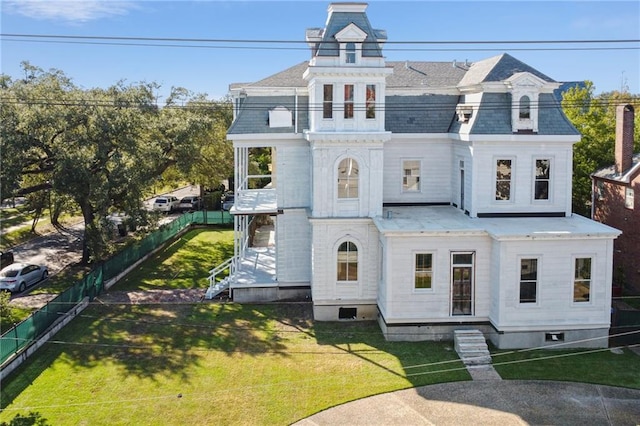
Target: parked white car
[18, 276]
[166, 203]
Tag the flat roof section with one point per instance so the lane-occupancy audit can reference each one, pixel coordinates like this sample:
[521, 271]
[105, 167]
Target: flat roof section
[255, 201]
[448, 220]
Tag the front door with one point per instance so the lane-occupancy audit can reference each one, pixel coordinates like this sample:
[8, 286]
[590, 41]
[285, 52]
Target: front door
[462, 283]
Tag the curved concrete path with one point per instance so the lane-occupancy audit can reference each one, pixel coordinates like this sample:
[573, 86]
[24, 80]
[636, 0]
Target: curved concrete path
[490, 402]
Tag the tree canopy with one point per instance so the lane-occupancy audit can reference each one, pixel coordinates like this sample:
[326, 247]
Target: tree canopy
[103, 148]
[595, 118]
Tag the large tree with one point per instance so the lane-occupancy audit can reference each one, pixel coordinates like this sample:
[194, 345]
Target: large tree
[103, 148]
[595, 118]
[214, 161]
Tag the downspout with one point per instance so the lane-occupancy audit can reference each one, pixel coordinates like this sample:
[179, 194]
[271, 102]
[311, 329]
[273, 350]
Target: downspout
[295, 109]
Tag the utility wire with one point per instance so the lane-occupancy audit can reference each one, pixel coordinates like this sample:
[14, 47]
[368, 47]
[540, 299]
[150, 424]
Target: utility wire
[311, 107]
[261, 41]
[258, 44]
[297, 383]
[306, 49]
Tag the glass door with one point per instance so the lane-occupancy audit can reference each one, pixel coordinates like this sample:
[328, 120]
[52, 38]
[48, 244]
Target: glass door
[462, 283]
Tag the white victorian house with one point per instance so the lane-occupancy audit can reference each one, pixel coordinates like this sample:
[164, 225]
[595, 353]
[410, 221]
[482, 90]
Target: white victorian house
[429, 196]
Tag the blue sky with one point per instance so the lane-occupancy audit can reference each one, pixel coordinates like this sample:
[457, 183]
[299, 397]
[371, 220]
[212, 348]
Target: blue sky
[203, 68]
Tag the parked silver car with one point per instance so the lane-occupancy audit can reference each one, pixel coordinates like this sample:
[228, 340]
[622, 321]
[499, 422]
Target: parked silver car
[227, 201]
[18, 276]
[192, 202]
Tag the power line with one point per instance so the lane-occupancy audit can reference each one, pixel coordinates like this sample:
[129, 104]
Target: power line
[357, 106]
[257, 44]
[533, 49]
[309, 380]
[212, 40]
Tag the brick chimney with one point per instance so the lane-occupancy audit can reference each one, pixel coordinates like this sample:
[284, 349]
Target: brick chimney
[624, 138]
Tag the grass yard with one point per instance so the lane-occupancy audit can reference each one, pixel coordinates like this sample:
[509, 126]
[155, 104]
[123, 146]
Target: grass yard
[183, 264]
[22, 234]
[227, 364]
[600, 366]
[213, 364]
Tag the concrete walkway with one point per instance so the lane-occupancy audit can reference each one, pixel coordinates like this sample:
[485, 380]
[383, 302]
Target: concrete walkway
[490, 402]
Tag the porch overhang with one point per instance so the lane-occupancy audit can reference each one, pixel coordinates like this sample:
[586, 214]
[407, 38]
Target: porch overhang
[255, 201]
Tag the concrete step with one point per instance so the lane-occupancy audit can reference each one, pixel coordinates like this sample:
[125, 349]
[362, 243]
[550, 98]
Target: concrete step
[472, 347]
[477, 360]
[463, 344]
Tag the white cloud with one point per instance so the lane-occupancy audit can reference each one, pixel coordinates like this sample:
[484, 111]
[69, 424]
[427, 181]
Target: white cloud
[68, 10]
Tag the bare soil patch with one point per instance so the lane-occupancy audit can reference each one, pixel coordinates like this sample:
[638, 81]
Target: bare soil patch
[37, 301]
[139, 297]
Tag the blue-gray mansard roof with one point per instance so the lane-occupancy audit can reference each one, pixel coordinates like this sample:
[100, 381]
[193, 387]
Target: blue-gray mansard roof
[338, 21]
[254, 114]
[494, 116]
[419, 113]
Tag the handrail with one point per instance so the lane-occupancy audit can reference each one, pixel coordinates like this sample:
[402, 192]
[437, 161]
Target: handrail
[218, 269]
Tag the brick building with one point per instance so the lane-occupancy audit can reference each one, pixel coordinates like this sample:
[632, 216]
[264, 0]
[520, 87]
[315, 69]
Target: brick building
[615, 204]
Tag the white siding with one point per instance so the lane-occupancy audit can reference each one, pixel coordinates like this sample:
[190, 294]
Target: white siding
[523, 156]
[463, 153]
[405, 304]
[293, 245]
[327, 235]
[293, 179]
[435, 174]
[555, 306]
[325, 160]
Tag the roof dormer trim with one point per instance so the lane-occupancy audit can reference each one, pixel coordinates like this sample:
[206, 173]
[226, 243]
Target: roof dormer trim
[351, 33]
[525, 80]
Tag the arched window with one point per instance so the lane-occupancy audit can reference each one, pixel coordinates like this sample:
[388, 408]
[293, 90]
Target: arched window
[347, 262]
[350, 53]
[525, 108]
[348, 178]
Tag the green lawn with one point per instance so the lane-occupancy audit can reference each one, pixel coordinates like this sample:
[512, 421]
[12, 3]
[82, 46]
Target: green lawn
[214, 364]
[22, 234]
[585, 365]
[183, 264]
[227, 363]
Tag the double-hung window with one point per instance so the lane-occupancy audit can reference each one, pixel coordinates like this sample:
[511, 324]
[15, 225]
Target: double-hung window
[628, 198]
[371, 101]
[503, 180]
[348, 100]
[423, 273]
[350, 53]
[528, 280]
[348, 177]
[582, 280]
[543, 179]
[525, 108]
[347, 262]
[411, 175]
[327, 101]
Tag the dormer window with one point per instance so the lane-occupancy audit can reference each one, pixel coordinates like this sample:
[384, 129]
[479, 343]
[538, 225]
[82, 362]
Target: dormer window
[350, 53]
[350, 38]
[525, 108]
[525, 89]
[464, 113]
